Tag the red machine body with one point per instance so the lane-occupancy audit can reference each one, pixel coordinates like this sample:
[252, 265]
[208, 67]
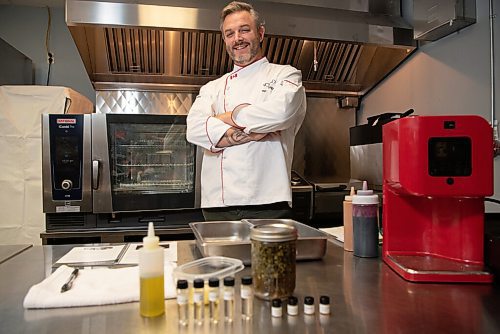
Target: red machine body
[437, 171]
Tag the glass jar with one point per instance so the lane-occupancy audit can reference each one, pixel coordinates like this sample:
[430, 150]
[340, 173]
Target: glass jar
[273, 260]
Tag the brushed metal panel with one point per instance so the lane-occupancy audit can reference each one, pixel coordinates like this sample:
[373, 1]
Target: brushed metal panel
[143, 102]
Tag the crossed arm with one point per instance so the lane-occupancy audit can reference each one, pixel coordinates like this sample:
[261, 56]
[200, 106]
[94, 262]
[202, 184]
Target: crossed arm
[235, 135]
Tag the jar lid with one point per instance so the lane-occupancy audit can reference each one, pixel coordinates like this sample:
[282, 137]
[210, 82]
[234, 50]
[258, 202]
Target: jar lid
[273, 232]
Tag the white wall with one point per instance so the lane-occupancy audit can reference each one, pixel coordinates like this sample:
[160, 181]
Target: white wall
[25, 28]
[450, 76]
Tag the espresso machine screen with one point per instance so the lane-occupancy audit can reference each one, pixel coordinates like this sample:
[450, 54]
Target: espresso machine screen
[450, 156]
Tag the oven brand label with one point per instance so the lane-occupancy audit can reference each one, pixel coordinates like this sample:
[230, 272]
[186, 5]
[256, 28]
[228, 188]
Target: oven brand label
[66, 121]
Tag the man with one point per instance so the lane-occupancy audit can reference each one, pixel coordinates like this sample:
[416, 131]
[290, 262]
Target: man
[247, 121]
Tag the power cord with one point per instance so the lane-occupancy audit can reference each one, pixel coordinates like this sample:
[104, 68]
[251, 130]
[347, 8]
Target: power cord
[492, 200]
[50, 55]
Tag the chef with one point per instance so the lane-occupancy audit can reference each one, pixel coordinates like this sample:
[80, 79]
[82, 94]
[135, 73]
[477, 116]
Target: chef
[246, 122]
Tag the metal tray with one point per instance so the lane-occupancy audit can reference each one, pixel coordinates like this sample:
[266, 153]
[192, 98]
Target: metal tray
[232, 238]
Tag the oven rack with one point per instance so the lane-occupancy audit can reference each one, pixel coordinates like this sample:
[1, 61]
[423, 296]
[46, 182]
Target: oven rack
[148, 185]
[156, 165]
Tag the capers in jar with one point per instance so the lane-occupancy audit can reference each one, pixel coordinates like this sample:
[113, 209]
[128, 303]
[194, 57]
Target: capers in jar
[273, 260]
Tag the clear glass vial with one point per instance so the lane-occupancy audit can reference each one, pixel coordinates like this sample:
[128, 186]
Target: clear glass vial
[182, 301]
[229, 299]
[324, 305]
[309, 305]
[198, 295]
[213, 299]
[246, 292]
[292, 306]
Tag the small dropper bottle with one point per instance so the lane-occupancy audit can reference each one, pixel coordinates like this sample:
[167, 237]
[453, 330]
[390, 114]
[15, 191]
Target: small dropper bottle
[151, 274]
[347, 206]
[246, 298]
[229, 298]
[309, 305]
[213, 299]
[198, 285]
[182, 301]
[292, 307]
[276, 308]
[324, 305]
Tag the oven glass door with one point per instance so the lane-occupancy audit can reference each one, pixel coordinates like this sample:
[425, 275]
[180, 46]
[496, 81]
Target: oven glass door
[152, 165]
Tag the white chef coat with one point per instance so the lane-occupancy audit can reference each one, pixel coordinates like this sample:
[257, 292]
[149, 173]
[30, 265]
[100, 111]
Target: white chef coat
[257, 172]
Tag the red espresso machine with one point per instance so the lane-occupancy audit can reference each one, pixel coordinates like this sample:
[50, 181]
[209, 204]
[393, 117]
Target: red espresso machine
[436, 172]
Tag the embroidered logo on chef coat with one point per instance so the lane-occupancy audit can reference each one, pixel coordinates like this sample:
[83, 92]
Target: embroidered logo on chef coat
[235, 75]
[268, 86]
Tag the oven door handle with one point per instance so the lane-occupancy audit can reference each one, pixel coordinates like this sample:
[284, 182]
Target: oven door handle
[95, 174]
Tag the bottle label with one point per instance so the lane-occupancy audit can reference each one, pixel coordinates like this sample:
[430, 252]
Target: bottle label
[246, 293]
[309, 309]
[293, 309]
[198, 297]
[276, 312]
[182, 299]
[324, 309]
[213, 296]
[228, 295]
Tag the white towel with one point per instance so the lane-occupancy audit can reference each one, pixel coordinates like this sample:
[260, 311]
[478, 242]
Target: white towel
[97, 286]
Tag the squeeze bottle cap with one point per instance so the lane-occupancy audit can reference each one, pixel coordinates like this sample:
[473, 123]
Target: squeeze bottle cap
[349, 197]
[151, 241]
[365, 191]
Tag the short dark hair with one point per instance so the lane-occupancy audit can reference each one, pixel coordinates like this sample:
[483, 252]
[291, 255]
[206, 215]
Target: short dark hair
[238, 6]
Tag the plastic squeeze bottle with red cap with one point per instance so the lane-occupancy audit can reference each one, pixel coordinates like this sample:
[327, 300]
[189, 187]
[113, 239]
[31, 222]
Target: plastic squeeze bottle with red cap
[365, 222]
[347, 208]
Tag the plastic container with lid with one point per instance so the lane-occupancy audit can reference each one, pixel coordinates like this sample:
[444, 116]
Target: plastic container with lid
[365, 222]
[205, 268]
[273, 260]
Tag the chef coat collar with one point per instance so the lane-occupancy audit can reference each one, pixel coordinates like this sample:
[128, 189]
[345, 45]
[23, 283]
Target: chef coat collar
[255, 64]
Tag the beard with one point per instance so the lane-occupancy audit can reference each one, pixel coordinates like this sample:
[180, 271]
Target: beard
[246, 57]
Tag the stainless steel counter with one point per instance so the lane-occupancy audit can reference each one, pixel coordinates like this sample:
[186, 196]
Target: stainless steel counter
[366, 297]
[9, 251]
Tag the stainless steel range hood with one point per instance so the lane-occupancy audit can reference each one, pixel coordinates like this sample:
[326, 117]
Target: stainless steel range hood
[177, 46]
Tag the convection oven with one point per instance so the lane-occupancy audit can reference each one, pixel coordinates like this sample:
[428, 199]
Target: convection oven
[118, 170]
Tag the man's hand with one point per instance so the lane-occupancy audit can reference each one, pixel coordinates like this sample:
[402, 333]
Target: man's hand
[236, 136]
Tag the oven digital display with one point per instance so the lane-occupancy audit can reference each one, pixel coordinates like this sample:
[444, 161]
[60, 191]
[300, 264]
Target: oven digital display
[450, 156]
[67, 159]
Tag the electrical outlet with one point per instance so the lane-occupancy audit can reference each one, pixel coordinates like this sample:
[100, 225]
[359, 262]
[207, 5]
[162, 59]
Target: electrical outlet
[50, 58]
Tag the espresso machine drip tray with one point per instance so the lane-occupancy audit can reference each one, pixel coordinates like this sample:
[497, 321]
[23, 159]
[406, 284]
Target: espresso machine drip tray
[426, 267]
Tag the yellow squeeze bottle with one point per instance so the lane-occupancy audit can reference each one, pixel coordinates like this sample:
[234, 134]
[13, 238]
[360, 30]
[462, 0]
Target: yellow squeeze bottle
[151, 274]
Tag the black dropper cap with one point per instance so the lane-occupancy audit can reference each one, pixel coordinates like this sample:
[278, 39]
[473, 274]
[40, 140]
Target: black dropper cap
[246, 280]
[325, 300]
[198, 283]
[213, 282]
[309, 300]
[276, 302]
[182, 284]
[229, 281]
[293, 301]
